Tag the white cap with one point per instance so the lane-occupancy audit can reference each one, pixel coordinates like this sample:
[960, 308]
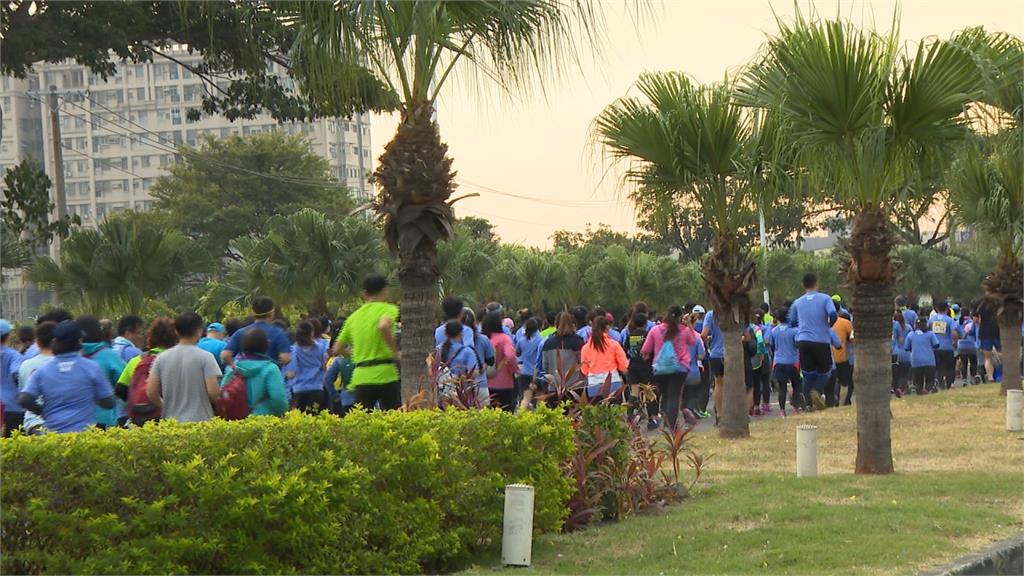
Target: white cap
[698, 309]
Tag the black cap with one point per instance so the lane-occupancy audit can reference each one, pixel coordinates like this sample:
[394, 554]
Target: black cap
[67, 331]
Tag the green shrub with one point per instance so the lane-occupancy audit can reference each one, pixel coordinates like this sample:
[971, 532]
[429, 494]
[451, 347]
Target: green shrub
[371, 493]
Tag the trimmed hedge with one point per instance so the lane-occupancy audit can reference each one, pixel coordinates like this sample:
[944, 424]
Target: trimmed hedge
[370, 493]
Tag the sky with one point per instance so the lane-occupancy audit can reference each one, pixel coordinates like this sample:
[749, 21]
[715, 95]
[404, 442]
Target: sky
[530, 158]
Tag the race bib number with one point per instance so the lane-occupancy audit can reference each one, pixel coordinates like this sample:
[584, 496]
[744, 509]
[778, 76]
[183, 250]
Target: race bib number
[939, 327]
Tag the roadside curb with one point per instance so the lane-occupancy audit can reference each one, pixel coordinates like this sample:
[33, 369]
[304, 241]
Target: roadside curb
[1006, 557]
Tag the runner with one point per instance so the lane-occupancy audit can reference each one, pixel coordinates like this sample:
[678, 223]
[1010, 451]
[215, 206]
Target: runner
[715, 345]
[948, 332]
[131, 337]
[67, 390]
[304, 374]
[263, 313]
[10, 361]
[639, 371]
[900, 356]
[368, 337]
[922, 344]
[844, 369]
[185, 380]
[96, 348]
[501, 383]
[602, 361]
[214, 342]
[967, 350]
[264, 386]
[813, 315]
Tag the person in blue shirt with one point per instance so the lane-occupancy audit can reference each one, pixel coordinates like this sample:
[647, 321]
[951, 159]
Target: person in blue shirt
[900, 357]
[55, 315]
[262, 312]
[782, 339]
[583, 329]
[453, 310]
[697, 318]
[922, 344]
[96, 348]
[131, 337]
[947, 331]
[813, 315]
[304, 374]
[484, 357]
[460, 363]
[711, 333]
[214, 342]
[70, 387]
[10, 361]
[967, 349]
[528, 354]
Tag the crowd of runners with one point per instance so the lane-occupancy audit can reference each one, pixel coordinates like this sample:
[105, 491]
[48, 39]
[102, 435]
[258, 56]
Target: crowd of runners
[65, 374]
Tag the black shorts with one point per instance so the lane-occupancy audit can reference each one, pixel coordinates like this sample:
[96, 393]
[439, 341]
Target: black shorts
[844, 373]
[815, 357]
[717, 366]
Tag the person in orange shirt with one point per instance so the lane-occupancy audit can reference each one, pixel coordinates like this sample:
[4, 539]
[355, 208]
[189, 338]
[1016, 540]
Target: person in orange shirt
[602, 361]
[844, 370]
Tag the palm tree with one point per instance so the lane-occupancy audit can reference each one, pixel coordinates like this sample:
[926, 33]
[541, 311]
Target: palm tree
[692, 144]
[413, 49]
[305, 259]
[528, 277]
[868, 122]
[988, 188]
[119, 267]
[464, 262]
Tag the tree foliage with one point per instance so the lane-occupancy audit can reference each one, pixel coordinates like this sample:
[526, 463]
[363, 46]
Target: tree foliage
[235, 39]
[304, 259]
[231, 187]
[25, 209]
[119, 267]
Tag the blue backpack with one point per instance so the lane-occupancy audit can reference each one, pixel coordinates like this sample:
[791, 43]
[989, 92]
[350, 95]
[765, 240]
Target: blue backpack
[666, 362]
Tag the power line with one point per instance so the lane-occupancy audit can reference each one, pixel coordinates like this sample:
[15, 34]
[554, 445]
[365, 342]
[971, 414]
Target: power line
[548, 201]
[79, 152]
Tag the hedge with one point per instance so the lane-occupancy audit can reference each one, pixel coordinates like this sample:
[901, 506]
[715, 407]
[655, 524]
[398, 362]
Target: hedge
[394, 492]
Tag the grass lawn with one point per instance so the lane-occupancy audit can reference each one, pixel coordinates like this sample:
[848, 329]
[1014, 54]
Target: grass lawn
[958, 487]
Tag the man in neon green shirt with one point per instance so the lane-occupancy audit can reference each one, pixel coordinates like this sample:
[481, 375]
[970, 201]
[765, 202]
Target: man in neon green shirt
[369, 339]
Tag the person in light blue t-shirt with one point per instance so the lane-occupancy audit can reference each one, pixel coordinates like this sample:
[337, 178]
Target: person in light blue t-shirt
[922, 344]
[782, 339]
[900, 357]
[714, 343]
[304, 373]
[214, 342]
[453, 310]
[813, 315]
[69, 387]
[947, 331]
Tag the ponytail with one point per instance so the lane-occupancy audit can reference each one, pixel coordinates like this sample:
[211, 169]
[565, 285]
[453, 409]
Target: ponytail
[675, 314]
[597, 334]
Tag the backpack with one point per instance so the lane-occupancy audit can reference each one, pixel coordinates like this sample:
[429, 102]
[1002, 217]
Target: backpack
[447, 382]
[639, 368]
[140, 409]
[233, 402]
[666, 361]
[759, 349]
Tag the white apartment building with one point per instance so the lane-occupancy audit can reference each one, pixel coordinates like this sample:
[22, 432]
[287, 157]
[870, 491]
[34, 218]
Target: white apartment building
[122, 135]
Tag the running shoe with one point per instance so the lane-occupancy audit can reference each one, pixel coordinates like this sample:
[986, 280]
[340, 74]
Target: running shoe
[652, 424]
[782, 412]
[977, 379]
[755, 411]
[817, 400]
[766, 409]
[899, 393]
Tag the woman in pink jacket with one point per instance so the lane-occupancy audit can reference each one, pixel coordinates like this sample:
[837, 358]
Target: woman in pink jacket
[671, 363]
[502, 384]
[602, 361]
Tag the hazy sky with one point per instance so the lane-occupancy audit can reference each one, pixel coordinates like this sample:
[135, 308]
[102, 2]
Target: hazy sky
[529, 158]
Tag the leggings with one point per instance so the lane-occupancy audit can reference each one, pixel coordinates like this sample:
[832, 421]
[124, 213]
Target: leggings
[671, 388]
[12, 420]
[506, 399]
[762, 385]
[786, 375]
[945, 369]
[704, 395]
[968, 364]
[900, 375]
[311, 401]
[692, 391]
[924, 378]
[382, 396]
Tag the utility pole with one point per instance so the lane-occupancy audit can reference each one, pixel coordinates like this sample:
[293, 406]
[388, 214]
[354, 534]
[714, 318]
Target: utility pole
[58, 165]
[764, 250]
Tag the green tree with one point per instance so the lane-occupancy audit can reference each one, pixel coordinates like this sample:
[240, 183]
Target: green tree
[692, 145]
[120, 267]
[304, 259]
[213, 204]
[868, 122]
[415, 49]
[466, 260]
[25, 207]
[236, 38]
[530, 278]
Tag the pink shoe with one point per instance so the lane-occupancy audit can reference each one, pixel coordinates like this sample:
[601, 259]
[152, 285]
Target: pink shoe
[782, 412]
[766, 409]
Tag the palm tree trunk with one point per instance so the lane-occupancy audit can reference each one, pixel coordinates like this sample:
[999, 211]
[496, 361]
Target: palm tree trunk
[870, 272]
[735, 421]
[872, 374]
[1009, 335]
[418, 309]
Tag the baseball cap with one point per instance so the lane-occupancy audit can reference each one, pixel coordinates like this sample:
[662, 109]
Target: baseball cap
[698, 309]
[837, 298]
[67, 331]
[955, 307]
[215, 327]
[5, 327]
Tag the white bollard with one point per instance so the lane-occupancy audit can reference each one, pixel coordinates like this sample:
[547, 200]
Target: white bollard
[517, 536]
[806, 451]
[1015, 410]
